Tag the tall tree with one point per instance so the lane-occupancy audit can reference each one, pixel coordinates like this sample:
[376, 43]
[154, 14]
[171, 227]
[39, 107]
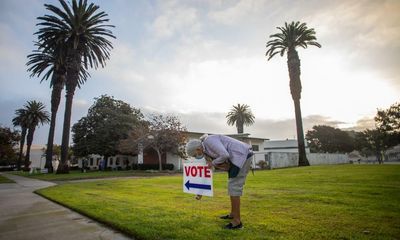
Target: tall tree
[21, 120]
[290, 37]
[8, 140]
[108, 121]
[388, 122]
[52, 64]
[35, 114]
[161, 133]
[240, 115]
[83, 29]
[385, 135]
[372, 142]
[324, 138]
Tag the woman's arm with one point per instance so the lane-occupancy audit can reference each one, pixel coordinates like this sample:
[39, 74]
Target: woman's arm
[215, 146]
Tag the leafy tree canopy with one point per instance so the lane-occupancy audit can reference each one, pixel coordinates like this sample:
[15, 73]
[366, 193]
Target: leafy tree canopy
[240, 115]
[107, 122]
[388, 122]
[385, 135]
[162, 133]
[8, 140]
[324, 138]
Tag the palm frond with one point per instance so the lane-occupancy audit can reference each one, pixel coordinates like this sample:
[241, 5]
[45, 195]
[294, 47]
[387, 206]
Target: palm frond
[292, 35]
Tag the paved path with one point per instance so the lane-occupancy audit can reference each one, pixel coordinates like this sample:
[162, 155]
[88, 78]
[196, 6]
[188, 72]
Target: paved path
[26, 215]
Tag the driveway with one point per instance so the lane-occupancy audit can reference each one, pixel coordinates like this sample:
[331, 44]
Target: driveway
[26, 215]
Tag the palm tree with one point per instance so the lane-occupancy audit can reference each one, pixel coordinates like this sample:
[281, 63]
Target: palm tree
[83, 30]
[240, 115]
[35, 115]
[52, 63]
[21, 120]
[290, 37]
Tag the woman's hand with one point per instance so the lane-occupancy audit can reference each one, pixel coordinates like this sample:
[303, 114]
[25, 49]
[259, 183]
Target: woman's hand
[209, 164]
[223, 166]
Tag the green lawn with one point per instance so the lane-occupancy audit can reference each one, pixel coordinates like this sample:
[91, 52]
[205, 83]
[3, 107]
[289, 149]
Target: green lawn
[5, 180]
[77, 175]
[319, 202]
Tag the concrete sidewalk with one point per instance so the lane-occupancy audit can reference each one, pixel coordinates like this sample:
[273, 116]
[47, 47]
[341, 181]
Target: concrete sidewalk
[25, 215]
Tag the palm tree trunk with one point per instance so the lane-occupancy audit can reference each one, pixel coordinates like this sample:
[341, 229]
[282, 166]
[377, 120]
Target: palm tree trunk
[63, 167]
[21, 147]
[55, 102]
[71, 82]
[294, 74]
[239, 127]
[29, 141]
[295, 89]
[303, 161]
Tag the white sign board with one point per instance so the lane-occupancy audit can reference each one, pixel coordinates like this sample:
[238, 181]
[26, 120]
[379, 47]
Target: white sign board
[197, 177]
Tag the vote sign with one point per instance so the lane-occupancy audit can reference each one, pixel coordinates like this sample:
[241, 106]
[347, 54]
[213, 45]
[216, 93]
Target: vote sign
[197, 177]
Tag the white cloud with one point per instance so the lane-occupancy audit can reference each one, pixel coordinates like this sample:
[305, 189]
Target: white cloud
[80, 103]
[238, 12]
[12, 56]
[175, 18]
[215, 122]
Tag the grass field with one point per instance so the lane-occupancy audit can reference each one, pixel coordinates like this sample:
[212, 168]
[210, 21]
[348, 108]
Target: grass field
[78, 175]
[5, 180]
[319, 202]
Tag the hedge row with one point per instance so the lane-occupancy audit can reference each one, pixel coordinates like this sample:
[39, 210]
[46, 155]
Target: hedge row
[167, 166]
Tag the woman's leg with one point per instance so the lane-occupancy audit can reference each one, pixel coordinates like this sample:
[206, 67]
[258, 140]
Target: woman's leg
[235, 210]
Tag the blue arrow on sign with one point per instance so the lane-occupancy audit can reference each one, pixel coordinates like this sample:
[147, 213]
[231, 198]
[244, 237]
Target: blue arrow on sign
[196, 185]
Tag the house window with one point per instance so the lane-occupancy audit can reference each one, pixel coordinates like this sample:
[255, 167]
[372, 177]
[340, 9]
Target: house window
[91, 162]
[117, 161]
[255, 148]
[111, 161]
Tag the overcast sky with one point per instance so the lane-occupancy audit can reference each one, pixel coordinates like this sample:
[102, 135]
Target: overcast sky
[195, 59]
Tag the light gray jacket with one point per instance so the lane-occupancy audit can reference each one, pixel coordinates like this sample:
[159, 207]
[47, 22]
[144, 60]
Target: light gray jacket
[222, 148]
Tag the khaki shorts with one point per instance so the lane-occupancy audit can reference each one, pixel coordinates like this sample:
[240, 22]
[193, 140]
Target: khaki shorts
[235, 185]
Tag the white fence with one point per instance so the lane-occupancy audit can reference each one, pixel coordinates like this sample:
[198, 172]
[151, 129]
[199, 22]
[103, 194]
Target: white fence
[285, 159]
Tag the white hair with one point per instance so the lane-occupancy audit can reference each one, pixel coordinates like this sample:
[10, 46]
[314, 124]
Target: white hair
[203, 137]
[192, 145]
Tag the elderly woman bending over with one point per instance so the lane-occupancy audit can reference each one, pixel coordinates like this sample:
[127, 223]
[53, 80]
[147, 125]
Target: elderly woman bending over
[232, 155]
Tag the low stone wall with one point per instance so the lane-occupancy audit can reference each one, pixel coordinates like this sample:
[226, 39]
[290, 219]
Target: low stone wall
[282, 160]
[327, 158]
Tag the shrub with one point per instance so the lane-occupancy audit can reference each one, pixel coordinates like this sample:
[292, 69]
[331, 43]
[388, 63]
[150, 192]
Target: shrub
[167, 166]
[262, 164]
[74, 167]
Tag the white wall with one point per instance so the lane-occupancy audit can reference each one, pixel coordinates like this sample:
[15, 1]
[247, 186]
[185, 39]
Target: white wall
[37, 158]
[327, 158]
[284, 159]
[175, 160]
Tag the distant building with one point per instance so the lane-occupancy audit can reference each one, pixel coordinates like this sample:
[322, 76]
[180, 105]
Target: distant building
[37, 156]
[261, 147]
[393, 154]
[288, 145]
[93, 161]
[149, 155]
